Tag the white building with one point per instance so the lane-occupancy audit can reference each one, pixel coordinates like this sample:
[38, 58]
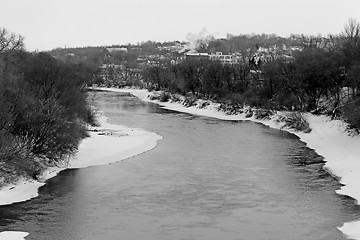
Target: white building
[194, 54]
[224, 59]
[117, 49]
[218, 56]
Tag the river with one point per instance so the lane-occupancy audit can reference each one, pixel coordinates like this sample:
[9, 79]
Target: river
[206, 179]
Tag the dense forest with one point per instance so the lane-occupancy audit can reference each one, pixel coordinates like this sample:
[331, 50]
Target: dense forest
[44, 112]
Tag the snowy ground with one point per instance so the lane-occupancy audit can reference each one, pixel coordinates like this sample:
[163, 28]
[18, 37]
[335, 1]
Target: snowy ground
[12, 235]
[340, 150]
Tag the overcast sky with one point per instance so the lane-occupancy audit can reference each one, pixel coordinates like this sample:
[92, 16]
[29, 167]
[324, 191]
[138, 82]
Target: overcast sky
[47, 24]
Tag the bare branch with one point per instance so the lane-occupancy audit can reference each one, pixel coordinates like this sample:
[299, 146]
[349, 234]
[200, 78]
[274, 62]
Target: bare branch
[10, 41]
[352, 29]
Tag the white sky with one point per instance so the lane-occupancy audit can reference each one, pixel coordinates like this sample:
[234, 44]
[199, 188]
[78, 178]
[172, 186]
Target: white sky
[48, 24]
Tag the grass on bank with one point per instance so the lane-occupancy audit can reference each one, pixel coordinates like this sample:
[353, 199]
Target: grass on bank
[296, 121]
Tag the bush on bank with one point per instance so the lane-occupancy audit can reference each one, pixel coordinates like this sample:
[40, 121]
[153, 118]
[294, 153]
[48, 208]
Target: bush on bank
[351, 114]
[44, 112]
[296, 121]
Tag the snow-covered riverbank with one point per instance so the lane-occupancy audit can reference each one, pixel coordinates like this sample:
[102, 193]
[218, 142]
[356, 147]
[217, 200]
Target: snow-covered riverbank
[340, 150]
[328, 138]
[107, 144]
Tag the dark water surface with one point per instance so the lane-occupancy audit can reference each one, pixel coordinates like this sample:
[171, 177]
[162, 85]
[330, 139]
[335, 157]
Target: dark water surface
[206, 179]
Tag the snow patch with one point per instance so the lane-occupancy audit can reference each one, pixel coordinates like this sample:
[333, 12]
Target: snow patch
[13, 235]
[23, 190]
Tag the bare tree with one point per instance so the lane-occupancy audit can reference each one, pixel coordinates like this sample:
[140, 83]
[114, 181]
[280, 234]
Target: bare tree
[351, 42]
[11, 47]
[352, 30]
[10, 41]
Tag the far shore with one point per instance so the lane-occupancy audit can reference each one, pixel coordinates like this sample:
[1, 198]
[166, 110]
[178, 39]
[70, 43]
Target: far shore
[329, 138]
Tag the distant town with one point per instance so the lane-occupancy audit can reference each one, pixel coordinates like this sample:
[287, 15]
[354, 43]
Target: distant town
[121, 64]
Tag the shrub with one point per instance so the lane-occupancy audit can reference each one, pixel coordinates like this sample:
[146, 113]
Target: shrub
[190, 100]
[296, 121]
[164, 96]
[202, 103]
[351, 115]
[263, 114]
[150, 87]
[176, 97]
[249, 113]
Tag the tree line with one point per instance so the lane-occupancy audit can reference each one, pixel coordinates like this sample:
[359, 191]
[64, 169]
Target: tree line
[44, 111]
[319, 78]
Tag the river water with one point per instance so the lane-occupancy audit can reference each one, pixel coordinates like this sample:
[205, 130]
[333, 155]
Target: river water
[206, 179]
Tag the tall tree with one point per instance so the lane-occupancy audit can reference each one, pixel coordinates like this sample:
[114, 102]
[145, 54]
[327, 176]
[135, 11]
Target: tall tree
[10, 41]
[351, 42]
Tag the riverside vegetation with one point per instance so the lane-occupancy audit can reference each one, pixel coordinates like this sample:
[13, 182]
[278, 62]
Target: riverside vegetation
[323, 77]
[44, 112]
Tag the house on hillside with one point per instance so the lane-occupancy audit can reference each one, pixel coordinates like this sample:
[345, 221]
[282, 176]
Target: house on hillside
[224, 59]
[218, 56]
[196, 55]
[116, 49]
